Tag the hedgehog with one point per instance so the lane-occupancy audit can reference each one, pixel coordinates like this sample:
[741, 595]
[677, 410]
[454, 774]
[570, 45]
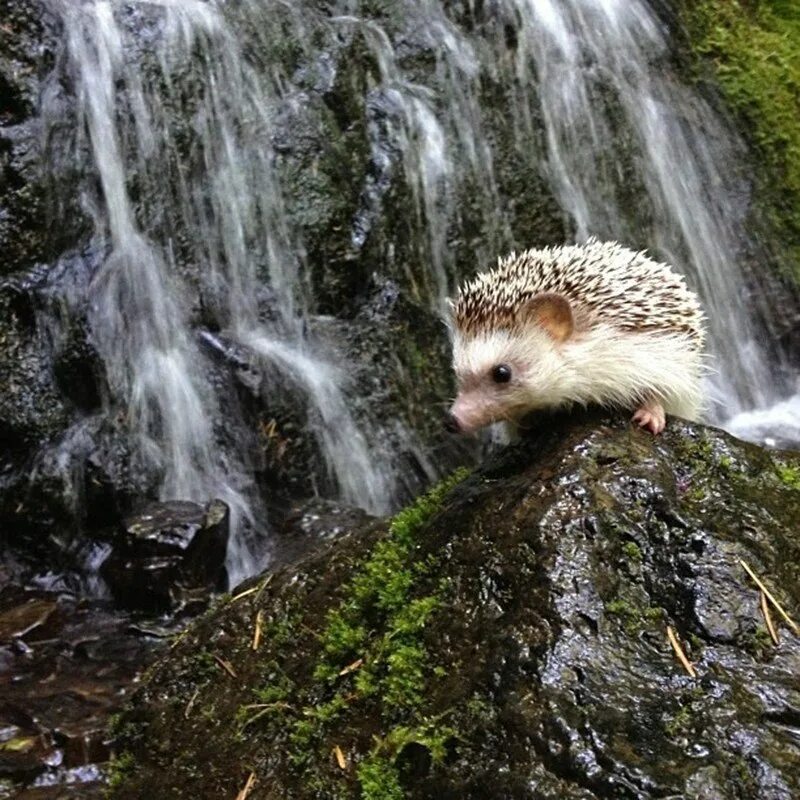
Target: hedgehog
[587, 324]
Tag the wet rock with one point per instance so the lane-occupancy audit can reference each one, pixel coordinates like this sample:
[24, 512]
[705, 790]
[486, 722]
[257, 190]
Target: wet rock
[166, 551]
[18, 621]
[22, 756]
[61, 471]
[506, 636]
[31, 409]
[32, 227]
[275, 438]
[60, 682]
[308, 526]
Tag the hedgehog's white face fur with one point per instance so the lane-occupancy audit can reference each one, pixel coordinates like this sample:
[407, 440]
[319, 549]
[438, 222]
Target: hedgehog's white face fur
[499, 380]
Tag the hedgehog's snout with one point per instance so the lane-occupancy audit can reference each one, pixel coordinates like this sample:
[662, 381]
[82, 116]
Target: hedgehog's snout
[468, 413]
[451, 423]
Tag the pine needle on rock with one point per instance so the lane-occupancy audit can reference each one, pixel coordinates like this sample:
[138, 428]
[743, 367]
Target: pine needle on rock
[676, 646]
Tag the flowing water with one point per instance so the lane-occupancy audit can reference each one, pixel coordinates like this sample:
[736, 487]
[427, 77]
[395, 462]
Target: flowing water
[231, 213]
[603, 65]
[630, 153]
[177, 122]
[441, 140]
[137, 312]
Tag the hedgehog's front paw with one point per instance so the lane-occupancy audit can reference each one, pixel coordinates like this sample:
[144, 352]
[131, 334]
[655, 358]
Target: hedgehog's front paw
[651, 417]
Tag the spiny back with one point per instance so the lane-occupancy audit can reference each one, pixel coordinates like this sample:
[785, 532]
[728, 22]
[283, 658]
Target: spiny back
[603, 281]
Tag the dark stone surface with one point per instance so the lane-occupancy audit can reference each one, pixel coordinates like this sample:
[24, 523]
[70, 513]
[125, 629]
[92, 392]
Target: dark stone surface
[33, 225]
[66, 666]
[509, 640]
[312, 524]
[167, 550]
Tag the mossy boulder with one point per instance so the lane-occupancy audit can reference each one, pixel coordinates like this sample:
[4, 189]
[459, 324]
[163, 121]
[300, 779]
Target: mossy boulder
[506, 636]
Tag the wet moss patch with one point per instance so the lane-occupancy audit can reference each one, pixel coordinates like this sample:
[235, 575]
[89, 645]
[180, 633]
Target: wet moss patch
[373, 648]
[754, 50]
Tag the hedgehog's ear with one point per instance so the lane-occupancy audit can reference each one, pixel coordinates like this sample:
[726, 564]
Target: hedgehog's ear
[552, 312]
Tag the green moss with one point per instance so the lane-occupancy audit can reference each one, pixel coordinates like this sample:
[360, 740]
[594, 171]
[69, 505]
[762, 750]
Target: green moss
[378, 774]
[430, 735]
[654, 614]
[630, 616]
[276, 691]
[369, 661]
[632, 551]
[754, 48]
[758, 643]
[788, 475]
[379, 780]
[119, 768]
[377, 627]
[382, 583]
[342, 636]
[633, 618]
[680, 724]
[705, 466]
[742, 776]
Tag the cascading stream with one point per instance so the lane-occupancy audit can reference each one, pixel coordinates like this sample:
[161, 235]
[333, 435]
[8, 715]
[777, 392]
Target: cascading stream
[631, 155]
[601, 61]
[135, 312]
[179, 102]
[440, 136]
[232, 213]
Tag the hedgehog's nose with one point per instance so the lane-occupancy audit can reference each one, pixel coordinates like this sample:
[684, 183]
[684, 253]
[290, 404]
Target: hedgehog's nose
[451, 423]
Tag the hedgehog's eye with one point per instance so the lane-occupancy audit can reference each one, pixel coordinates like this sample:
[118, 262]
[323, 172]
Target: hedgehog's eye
[501, 373]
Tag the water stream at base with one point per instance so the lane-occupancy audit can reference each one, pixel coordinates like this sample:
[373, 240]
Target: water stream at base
[177, 124]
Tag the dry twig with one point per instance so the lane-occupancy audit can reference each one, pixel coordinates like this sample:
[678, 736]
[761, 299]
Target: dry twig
[190, 704]
[264, 708]
[340, 759]
[245, 593]
[676, 646]
[768, 618]
[226, 665]
[789, 621]
[266, 582]
[357, 664]
[257, 632]
[247, 788]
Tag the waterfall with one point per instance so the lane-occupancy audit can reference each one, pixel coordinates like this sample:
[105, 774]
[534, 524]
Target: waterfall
[179, 105]
[629, 151]
[602, 65]
[232, 224]
[136, 310]
[441, 139]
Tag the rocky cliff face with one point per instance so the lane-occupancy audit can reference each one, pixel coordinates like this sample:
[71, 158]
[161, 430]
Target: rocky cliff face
[407, 147]
[507, 636]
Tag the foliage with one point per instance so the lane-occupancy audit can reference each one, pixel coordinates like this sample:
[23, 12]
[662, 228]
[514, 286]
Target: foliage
[755, 51]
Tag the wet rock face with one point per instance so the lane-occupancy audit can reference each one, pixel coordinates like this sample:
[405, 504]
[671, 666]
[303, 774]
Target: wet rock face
[508, 638]
[306, 526]
[167, 550]
[31, 227]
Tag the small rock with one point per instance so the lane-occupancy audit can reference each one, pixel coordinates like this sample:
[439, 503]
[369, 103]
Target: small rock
[166, 549]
